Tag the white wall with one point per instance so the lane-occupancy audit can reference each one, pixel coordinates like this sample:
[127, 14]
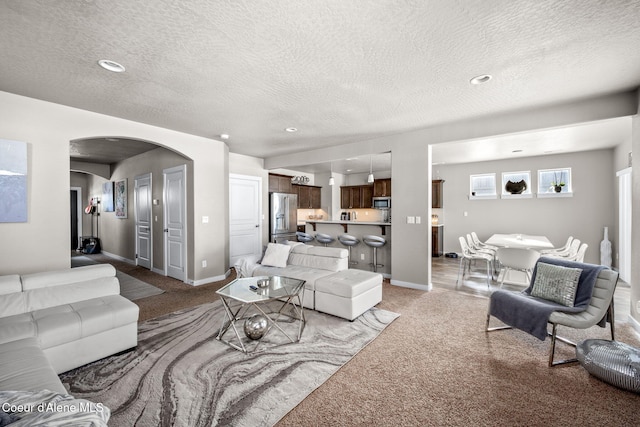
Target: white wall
[635, 223]
[582, 216]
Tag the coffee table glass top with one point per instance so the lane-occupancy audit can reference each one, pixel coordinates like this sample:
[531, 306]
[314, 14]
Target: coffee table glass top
[261, 288]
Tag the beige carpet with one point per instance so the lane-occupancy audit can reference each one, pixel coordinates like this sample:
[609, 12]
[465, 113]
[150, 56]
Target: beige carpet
[435, 366]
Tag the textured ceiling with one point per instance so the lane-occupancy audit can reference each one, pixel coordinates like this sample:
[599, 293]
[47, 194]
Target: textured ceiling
[339, 71]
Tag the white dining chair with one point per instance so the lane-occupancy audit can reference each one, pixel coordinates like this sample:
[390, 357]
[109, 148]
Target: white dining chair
[569, 255]
[480, 243]
[564, 250]
[580, 255]
[468, 256]
[479, 248]
[517, 259]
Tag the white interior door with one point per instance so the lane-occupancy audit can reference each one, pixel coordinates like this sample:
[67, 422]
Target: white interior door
[175, 224]
[245, 218]
[624, 224]
[144, 222]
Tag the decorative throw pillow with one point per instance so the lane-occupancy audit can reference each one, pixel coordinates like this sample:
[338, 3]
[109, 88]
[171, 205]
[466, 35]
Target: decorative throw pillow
[556, 283]
[276, 255]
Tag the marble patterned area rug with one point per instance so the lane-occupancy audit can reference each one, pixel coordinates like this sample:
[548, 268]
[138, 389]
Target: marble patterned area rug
[130, 287]
[181, 375]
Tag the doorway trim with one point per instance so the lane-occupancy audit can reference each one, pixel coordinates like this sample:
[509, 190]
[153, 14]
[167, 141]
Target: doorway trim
[165, 172]
[79, 208]
[136, 202]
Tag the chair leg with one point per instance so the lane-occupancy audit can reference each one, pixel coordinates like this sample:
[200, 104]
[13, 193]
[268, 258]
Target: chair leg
[460, 270]
[612, 320]
[489, 274]
[552, 350]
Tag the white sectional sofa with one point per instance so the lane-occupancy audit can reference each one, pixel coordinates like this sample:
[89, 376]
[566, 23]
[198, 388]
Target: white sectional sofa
[331, 287]
[55, 321]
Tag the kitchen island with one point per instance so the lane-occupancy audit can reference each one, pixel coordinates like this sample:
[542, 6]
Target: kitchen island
[361, 252]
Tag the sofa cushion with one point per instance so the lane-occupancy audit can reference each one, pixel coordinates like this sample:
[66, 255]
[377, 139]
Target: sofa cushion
[309, 275]
[348, 283]
[10, 284]
[61, 324]
[23, 366]
[63, 277]
[319, 257]
[44, 297]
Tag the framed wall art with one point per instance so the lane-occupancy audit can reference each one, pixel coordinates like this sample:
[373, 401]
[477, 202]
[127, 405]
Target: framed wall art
[13, 181]
[121, 198]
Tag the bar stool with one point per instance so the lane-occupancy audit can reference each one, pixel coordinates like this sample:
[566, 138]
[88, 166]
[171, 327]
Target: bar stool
[324, 239]
[374, 242]
[349, 241]
[304, 237]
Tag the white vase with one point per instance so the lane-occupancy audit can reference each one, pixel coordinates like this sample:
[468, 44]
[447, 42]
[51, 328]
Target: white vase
[605, 249]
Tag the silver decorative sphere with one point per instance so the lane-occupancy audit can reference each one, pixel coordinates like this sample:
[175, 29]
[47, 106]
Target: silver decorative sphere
[255, 326]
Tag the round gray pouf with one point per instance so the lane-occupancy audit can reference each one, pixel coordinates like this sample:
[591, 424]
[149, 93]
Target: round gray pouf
[255, 326]
[611, 361]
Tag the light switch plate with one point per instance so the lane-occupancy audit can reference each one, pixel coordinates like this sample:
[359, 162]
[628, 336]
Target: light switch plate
[411, 220]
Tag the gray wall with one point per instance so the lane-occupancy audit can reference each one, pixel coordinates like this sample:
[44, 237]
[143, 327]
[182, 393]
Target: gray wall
[411, 167]
[117, 236]
[582, 216]
[47, 129]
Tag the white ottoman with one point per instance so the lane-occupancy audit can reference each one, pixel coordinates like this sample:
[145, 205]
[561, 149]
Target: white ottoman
[348, 293]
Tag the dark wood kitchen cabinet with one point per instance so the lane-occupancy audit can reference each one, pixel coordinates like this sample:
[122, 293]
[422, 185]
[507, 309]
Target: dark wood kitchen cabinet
[280, 183]
[437, 240]
[309, 197]
[382, 188]
[436, 193]
[356, 197]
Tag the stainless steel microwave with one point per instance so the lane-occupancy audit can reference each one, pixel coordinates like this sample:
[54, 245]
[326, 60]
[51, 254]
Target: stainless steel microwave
[382, 202]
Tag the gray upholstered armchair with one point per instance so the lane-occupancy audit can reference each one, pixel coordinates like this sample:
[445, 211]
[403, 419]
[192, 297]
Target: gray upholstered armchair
[593, 305]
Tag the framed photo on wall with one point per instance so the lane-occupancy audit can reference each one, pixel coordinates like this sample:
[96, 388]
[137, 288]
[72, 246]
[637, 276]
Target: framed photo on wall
[121, 198]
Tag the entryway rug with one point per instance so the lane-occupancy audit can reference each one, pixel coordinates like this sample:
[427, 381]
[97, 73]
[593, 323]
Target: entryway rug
[130, 287]
[180, 375]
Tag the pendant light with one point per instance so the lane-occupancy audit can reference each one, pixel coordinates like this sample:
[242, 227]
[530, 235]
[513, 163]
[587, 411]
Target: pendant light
[370, 177]
[331, 180]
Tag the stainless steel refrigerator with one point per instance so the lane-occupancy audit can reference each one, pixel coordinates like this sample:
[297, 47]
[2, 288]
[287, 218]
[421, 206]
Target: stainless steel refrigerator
[283, 217]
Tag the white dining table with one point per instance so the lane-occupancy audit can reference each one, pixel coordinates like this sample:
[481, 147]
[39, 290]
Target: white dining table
[523, 241]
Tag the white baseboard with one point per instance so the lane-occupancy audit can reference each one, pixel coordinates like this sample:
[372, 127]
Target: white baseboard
[209, 279]
[418, 286]
[118, 257]
[635, 325]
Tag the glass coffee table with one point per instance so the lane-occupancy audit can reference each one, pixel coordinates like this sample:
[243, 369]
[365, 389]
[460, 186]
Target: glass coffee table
[262, 310]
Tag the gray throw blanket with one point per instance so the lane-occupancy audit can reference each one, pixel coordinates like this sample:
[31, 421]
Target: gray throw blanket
[530, 314]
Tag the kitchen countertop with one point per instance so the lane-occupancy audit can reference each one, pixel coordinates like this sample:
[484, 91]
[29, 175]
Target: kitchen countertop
[326, 221]
[345, 224]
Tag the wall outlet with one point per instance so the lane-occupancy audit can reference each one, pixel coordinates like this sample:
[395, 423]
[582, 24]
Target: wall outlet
[205, 219]
[362, 257]
[204, 263]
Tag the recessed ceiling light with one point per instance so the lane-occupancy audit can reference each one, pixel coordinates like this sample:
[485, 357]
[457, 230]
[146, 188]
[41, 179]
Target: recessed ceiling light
[482, 78]
[224, 136]
[109, 65]
[291, 129]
